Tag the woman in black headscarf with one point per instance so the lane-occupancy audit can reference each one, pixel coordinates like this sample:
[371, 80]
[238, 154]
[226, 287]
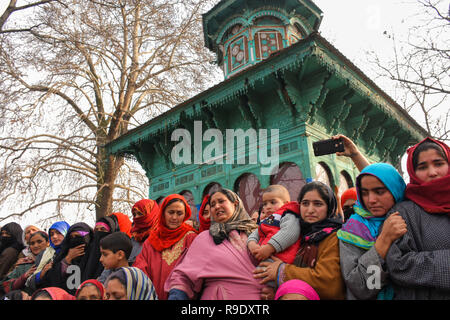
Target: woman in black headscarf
[103, 227]
[10, 246]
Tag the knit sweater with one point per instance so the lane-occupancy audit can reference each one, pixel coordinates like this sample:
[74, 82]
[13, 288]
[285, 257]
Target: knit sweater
[358, 267]
[419, 262]
[325, 277]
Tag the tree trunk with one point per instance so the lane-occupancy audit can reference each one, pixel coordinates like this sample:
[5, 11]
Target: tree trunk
[108, 171]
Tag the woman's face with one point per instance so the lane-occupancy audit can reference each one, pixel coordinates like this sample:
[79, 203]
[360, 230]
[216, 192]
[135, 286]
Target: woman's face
[174, 214]
[100, 228]
[89, 292]
[56, 237]
[115, 290]
[312, 207]
[136, 213]
[5, 233]
[375, 196]
[221, 207]
[206, 212]
[38, 244]
[29, 231]
[431, 165]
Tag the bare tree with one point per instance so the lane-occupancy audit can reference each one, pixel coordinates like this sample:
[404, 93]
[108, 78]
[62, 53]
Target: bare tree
[13, 7]
[84, 75]
[420, 69]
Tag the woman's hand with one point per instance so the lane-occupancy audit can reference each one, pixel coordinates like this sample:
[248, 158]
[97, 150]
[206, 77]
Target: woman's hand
[267, 271]
[74, 253]
[393, 228]
[30, 271]
[47, 267]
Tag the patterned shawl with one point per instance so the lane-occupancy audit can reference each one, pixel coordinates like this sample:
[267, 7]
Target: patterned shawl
[137, 285]
[239, 220]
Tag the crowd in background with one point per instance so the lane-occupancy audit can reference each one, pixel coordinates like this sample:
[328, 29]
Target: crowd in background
[383, 239]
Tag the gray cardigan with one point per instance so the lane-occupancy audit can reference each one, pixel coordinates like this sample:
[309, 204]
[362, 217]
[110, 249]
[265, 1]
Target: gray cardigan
[419, 262]
[287, 235]
[359, 267]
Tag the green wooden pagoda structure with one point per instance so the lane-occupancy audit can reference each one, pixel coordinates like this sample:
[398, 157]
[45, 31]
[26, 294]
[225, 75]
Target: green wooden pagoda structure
[280, 73]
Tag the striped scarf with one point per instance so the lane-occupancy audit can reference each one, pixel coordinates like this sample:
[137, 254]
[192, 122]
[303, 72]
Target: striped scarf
[361, 229]
[138, 285]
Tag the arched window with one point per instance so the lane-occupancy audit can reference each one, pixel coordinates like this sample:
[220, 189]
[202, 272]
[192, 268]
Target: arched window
[248, 188]
[290, 176]
[190, 200]
[211, 188]
[345, 182]
[323, 174]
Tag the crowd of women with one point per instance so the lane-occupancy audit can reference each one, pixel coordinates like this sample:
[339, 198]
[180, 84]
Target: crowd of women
[383, 240]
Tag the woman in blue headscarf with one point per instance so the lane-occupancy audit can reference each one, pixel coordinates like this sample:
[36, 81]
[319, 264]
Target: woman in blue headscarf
[57, 232]
[366, 237]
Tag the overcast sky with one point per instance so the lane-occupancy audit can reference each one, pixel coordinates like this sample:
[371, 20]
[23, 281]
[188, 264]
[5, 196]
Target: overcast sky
[353, 27]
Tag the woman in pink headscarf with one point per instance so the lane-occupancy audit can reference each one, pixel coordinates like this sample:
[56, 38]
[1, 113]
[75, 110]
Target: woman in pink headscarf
[52, 293]
[296, 290]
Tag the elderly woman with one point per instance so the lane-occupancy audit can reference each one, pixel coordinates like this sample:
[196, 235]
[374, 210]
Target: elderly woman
[167, 243]
[218, 265]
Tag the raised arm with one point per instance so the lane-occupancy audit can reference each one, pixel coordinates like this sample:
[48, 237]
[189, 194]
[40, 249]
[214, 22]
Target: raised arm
[352, 151]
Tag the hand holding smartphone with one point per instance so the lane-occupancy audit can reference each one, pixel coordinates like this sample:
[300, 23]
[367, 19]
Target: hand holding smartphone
[328, 146]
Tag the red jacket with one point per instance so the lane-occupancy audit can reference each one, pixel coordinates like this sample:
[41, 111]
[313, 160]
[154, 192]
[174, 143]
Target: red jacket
[271, 225]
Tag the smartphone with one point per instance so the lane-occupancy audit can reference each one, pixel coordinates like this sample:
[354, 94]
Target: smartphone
[328, 146]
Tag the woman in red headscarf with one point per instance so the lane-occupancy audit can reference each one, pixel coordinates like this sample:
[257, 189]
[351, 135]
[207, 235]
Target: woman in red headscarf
[167, 242]
[124, 222]
[418, 262]
[145, 216]
[204, 214]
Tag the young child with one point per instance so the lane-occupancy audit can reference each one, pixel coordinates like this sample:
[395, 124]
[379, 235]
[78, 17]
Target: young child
[279, 232]
[115, 250]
